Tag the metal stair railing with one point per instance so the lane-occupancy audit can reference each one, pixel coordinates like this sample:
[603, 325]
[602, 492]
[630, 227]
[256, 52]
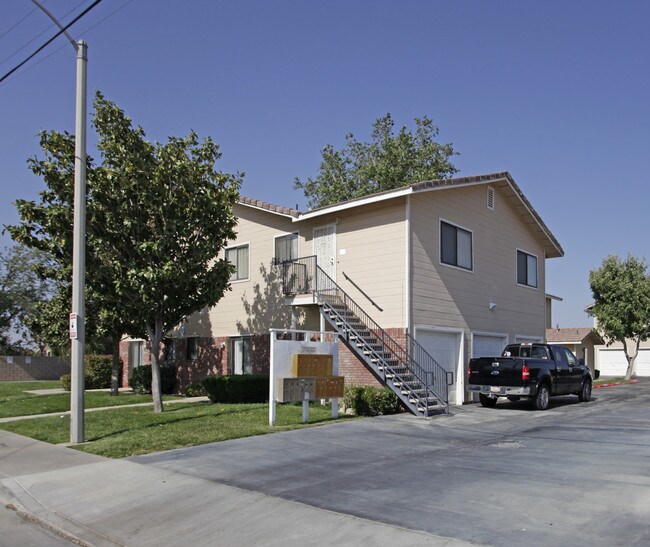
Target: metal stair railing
[411, 369]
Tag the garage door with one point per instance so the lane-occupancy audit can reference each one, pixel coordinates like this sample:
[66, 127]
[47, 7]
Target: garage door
[643, 363]
[484, 345]
[612, 362]
[444, 347]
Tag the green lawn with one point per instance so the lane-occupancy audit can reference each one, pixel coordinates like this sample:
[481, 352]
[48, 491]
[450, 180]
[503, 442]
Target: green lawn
[610, 380]
[15, 402]
[123, 432]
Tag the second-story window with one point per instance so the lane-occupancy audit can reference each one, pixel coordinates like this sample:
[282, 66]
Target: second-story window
[286, 248]
[238, 256]
[455, 246]
[526, 269]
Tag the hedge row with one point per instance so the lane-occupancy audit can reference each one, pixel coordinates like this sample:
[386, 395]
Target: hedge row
[97, 372]
[371, 401]
[237, 389]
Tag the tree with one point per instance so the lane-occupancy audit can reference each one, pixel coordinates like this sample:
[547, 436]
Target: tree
[389, 161]
[621, 293]
[166, 213]
[21, 293]
[158, 215]
[46, 227]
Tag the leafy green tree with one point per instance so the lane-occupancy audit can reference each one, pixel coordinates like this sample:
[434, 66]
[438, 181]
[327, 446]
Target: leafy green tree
[158, 216]
[165, 214]
[46, 227]
[621, 293]
[21, 292]
[387, 162]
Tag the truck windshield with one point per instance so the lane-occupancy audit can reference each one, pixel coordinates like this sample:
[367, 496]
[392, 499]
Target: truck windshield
[525, 351]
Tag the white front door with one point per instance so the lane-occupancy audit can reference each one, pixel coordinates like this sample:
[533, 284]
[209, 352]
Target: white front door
[444, 347]
[325, 249]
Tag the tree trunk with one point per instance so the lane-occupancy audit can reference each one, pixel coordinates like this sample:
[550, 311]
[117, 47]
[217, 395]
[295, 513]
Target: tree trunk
[631, 371]
[115, 370]
[155, 336]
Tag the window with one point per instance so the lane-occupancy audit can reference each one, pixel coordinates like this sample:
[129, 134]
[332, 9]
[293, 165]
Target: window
[241, 351]
[455, 246]
[238, 256]
[286, 248]
[136, 354]
[526, 269]
[191, 349]
[169, 349]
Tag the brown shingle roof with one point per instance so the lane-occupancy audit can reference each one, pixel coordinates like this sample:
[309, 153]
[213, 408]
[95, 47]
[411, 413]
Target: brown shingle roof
[269, 206]
[572, 335]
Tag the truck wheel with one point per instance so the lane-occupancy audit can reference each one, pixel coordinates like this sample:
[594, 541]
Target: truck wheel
[486, 401]
[540, 402]
[585, 392]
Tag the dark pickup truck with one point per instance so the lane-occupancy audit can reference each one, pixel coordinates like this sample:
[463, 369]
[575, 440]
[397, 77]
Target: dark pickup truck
[536, 371]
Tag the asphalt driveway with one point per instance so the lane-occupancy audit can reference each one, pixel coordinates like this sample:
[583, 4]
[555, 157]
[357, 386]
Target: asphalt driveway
[576, 474]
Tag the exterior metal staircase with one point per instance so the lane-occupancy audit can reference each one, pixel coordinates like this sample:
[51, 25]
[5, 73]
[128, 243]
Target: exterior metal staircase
[407, 369]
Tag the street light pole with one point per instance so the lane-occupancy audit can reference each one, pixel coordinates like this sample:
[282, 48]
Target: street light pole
[78, 315]
[79, 253]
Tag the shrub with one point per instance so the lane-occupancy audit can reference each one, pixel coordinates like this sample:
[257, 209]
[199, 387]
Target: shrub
[66, 382]
[237, 389]
[371, 401]
[98, 370]
[140, 379]
[195, 389]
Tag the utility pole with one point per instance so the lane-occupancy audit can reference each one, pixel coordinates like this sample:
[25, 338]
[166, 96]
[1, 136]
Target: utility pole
[77, 317]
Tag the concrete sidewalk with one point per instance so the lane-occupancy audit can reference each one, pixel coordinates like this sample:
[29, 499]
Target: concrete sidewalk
[97, 501]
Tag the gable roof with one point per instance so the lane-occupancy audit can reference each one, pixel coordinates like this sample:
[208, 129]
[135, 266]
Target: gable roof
[503, 181]
[572, 336]
[259, 204]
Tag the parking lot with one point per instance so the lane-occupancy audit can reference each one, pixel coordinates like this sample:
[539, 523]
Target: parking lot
[576, 474]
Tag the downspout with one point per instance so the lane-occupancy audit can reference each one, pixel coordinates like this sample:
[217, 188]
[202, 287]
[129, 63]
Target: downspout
[409, 262]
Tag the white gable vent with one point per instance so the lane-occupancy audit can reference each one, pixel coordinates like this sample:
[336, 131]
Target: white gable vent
[490, 198]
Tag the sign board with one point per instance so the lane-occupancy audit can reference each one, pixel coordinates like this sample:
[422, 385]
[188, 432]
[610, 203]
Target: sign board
[73, 326]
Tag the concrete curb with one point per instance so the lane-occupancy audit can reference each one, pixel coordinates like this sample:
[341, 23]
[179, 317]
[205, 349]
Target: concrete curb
[612, 384]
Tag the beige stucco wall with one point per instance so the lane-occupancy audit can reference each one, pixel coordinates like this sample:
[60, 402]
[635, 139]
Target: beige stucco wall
[371, 250]
[253, 305]
[449, 297]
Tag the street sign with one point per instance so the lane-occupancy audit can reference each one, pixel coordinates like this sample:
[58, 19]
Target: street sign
[73, 326]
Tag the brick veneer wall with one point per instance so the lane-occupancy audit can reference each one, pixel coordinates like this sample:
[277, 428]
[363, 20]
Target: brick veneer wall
[38, 368]
[212, 360]
[355, 371]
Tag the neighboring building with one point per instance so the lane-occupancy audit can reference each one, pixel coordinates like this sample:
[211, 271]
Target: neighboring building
[611, 360]
[457, 264]
[581, 341]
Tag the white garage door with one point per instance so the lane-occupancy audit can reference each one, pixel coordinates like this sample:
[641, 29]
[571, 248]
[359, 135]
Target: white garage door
[643, 363]
[444, 347]
[612, 362]
[484, 345]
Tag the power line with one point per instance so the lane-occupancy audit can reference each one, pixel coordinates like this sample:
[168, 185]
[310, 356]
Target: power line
[88, 29]
[84, 12]
[39, 34]
[12, 27]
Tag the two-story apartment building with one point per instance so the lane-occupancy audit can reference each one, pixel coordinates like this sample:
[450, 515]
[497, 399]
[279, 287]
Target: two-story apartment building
[457, 264]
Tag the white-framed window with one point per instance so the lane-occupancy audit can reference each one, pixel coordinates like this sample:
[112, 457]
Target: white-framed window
[136, 353]
[285, 248]
[455, 246]
[526, 269]
[192, 348]
[240, 355]
[239, 257]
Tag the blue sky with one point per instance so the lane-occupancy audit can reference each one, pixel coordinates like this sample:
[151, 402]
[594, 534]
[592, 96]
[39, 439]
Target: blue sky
[556, 92]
